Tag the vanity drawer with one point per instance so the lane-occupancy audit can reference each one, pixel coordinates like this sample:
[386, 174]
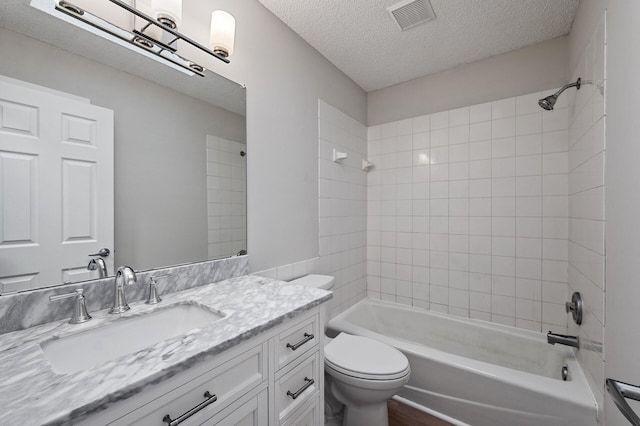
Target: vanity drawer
[296, 341]
[250, 410]
[227, 382]
[307, 416]
[298, 386]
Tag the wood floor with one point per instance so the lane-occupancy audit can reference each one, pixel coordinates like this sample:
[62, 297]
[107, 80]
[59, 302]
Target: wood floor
[404, 415]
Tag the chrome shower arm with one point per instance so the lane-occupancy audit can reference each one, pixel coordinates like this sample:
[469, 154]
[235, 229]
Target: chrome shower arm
[576, 84]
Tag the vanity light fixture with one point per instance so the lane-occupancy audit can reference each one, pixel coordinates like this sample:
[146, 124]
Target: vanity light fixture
[167, 16]
[223, 33]
[168, 12]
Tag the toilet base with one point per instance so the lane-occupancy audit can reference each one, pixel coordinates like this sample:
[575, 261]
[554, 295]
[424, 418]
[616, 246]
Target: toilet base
[332, 407]
[357, 410]
[366, 415]
[333, 421]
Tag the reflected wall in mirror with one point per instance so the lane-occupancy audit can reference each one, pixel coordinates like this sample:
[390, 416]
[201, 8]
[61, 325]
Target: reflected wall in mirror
[179, 178]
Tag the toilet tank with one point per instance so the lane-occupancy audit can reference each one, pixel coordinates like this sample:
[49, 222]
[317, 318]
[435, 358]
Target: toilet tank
[324, 282]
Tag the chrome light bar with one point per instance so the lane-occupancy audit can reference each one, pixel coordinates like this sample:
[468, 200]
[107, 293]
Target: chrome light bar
[138, 38]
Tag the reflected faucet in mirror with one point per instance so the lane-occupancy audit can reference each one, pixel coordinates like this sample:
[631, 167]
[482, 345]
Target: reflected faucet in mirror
[100, 265]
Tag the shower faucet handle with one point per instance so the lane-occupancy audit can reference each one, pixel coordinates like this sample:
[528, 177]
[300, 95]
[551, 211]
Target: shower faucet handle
[575, 307]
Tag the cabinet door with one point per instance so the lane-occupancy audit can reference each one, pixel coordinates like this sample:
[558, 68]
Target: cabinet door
[296, 387]
[307, 416]
[254, 412]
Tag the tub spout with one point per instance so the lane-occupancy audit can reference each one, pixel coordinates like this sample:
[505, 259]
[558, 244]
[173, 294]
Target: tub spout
[553, 338]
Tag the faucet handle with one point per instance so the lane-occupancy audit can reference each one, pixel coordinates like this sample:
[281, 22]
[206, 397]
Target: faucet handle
[80, 313]
[75, 293]
[155, 277]
[575, 307]
[154, 298]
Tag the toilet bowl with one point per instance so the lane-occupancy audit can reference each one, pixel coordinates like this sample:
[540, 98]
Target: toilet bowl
[363, 372]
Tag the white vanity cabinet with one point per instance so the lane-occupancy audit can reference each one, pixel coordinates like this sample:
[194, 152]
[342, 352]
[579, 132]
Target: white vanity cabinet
[275, 378]
[299, 372]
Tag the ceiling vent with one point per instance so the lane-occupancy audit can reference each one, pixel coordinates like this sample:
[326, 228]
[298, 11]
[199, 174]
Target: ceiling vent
[409, 13]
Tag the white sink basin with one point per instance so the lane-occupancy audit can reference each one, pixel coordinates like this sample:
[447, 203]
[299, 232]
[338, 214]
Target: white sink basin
[91, 348]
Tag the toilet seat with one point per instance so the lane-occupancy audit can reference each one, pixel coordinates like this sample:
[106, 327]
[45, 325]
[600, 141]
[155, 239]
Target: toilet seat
[365, 359]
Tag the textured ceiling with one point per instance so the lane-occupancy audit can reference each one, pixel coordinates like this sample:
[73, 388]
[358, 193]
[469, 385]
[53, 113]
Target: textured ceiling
[361, 39]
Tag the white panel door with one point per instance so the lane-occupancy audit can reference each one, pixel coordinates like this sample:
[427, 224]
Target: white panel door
[56, 183]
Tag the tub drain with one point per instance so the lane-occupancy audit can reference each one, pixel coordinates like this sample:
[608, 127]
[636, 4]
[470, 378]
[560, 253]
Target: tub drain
[565, 373]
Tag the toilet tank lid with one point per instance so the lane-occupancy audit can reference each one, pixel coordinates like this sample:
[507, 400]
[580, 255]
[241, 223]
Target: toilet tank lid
[324, 282]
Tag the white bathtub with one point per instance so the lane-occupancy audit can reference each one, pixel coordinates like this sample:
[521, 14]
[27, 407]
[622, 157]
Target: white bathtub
[475, 372]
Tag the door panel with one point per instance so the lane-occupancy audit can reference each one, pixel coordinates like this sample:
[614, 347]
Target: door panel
[56, 178]
[18, 179]
[78, 201]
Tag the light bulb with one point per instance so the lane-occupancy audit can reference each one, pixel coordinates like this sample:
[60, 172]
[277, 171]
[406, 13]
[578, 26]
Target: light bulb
[169, 12]
[223, 32]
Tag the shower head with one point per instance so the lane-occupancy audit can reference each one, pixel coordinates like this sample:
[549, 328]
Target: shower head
[549, 102]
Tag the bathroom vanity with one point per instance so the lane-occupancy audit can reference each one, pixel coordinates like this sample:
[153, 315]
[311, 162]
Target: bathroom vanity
[257, 361]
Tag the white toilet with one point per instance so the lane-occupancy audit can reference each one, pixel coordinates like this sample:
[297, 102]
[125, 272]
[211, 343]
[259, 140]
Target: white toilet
[365, 372]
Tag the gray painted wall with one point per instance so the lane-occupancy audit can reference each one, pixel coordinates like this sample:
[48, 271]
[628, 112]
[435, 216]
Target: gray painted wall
[160, 161]
[284, 78]
[587, 17]
[531, 69]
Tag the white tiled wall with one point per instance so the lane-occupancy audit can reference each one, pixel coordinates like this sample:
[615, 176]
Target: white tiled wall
[292, 271]
[342, 205]
[586, 205]
[468, 212]
[226, 197]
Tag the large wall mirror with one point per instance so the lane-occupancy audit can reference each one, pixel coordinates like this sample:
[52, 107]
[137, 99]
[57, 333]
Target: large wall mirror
[179, 166]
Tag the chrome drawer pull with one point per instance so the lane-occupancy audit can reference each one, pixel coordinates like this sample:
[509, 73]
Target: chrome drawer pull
[304, 387]
[619, 391]
[210, 400]
[307, 337]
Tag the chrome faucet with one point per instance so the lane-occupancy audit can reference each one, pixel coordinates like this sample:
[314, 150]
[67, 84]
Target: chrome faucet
[553, 338]
[154, 298]
[80, 313]
[124, 276]
[100, 265]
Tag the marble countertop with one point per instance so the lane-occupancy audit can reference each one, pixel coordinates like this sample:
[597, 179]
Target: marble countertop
[32, 393]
